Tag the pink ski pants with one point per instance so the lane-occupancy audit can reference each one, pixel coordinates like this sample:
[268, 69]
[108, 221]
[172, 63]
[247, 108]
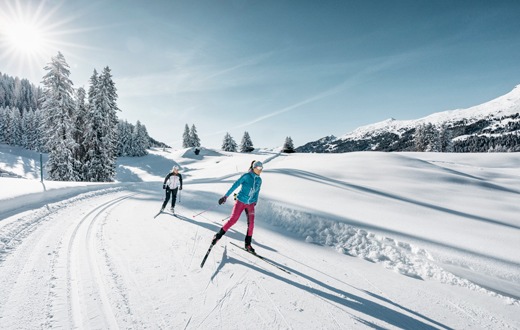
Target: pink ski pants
[237, 211]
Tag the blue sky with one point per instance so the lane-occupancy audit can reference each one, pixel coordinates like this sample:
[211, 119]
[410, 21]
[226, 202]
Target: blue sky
[304, 69]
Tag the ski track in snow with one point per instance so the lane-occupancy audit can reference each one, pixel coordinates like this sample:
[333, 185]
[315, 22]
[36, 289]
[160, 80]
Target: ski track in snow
[87, 279]
[84, 296]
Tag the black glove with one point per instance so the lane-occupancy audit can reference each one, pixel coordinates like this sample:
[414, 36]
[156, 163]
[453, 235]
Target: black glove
[180, 188]
[222, 200]
[164, 186]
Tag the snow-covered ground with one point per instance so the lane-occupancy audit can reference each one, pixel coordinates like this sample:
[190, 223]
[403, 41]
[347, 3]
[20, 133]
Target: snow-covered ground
[372, 240]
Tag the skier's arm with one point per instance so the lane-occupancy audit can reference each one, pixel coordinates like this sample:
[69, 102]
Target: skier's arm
[180, 181]
[166, 178]
[236, 185]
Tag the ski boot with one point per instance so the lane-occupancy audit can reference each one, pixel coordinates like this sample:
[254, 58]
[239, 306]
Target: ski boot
[248, 246]
[217, 236]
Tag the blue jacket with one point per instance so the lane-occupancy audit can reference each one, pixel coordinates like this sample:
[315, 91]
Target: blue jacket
[250, 188]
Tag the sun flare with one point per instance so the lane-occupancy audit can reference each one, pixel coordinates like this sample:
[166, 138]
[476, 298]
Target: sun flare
[27, 37]
[24, 37]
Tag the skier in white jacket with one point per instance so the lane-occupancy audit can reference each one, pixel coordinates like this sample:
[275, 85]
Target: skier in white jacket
[172, 183]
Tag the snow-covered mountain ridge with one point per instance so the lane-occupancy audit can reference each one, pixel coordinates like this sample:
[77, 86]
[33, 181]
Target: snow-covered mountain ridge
[494, 124]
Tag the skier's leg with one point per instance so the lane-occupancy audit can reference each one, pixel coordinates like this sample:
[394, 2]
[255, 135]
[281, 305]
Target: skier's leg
[250, 212]
[235, 214]
[174, 196]
[166, 199]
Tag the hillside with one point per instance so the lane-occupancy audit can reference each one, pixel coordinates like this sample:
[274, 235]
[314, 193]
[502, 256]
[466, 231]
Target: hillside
[372, 240]
[491, 126]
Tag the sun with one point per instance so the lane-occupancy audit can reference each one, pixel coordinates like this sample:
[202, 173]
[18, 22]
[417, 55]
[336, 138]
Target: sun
[31, 32]
[23, 30]
[24, 37]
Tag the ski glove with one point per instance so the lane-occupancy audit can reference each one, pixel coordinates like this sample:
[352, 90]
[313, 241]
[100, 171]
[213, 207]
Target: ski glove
[164, 186]
[222, 200]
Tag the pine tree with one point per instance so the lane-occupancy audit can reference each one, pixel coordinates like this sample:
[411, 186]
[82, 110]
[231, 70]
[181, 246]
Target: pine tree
[80, 127]
[288, 146]
[194, 138]
[91, 140]
[58, 106]
[3, 123]
[246, 145]
[446, 137]
[27, 129]
[8, 120]
[16, 127]
[186, 138]
[124, 131]
[100, 138]
[141, 140]
[229, 144]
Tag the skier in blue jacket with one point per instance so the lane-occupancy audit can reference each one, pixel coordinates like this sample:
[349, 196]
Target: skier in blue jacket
[246, 201]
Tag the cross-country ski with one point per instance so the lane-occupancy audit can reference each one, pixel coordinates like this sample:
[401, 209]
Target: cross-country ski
[262, 258]
[206, 255]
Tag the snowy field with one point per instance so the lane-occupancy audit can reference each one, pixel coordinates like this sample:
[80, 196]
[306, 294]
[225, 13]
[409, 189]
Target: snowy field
[371, 240]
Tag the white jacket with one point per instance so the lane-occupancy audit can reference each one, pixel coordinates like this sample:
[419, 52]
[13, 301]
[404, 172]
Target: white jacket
[173, 181]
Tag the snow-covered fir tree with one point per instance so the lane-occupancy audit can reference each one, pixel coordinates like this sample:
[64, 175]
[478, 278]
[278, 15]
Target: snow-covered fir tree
[194, 137]
[92, 163]
[246, 145]
[16, 127]
[18, 93]
[58, 106]
[133, 141]
[141, 140]
[28, 130]
[288, 146]
[186, 138]
[100, 138]
[34, 132]
[229, 143]
[124, 132]
[427, 138]
[39, 130]
[446, 137]
[3, 124]
[80, 127]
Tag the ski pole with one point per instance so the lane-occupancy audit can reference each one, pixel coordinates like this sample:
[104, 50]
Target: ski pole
[196, 215]
[180, 196]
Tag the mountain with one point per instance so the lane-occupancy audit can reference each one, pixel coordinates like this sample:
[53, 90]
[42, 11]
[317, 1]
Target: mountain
[491, 126]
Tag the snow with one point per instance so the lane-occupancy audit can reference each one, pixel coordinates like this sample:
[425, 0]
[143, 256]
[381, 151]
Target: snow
[372, 240]
[505, 105]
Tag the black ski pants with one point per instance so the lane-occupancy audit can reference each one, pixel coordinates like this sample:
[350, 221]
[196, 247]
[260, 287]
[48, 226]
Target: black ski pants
[173, 194]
